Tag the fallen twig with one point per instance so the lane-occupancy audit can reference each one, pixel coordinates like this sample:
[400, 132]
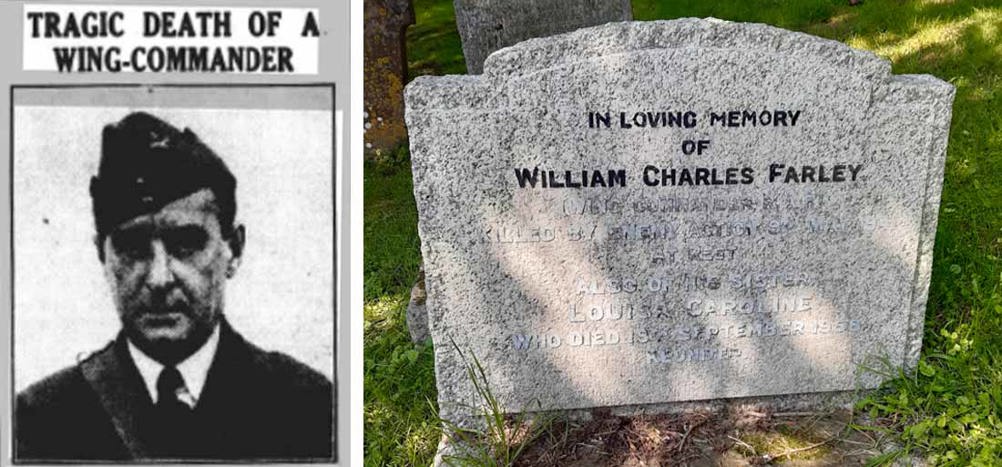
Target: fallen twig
[685, 438]
[796, 414]
[744, 445]
[790, 452]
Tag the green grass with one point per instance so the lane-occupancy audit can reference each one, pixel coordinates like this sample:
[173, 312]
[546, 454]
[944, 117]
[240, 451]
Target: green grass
[401, 426]
[951, 409]
[785, 14]
[433, 45]
[400, 423]
[501, 439]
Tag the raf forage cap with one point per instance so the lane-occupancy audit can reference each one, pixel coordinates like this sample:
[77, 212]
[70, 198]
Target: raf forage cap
[146, 164]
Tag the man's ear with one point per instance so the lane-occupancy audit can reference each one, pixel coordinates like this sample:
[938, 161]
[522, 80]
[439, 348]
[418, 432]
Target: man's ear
[99, 244]
[236, 242]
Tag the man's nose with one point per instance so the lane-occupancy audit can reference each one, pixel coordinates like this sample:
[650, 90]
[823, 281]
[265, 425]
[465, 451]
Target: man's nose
[160, 274]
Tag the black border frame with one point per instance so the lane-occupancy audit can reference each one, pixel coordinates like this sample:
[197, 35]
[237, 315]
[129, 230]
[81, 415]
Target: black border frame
[335, 354]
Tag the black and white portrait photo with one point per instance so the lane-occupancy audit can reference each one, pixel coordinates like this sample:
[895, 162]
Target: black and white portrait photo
[173, 273]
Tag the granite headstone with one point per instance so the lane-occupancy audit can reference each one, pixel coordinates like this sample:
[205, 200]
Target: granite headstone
[688, 210]
[488, 25]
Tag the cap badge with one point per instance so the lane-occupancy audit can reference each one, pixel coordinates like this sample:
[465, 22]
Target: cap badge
[158, 141]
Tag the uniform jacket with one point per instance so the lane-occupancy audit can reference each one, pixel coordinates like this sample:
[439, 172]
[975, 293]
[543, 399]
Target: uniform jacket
[254, 405]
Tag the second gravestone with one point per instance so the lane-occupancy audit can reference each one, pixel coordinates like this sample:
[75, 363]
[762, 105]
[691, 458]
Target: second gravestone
[488, 25]
[689, 210]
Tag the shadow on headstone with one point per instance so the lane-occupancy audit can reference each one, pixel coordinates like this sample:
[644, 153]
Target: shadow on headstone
[676, 213]
[385, 72]
[489, 25]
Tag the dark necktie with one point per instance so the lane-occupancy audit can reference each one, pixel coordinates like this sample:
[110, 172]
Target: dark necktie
[173, 421]
[169, 386]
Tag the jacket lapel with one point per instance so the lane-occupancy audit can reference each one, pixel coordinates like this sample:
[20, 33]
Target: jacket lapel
[225, 409]
[112, 376]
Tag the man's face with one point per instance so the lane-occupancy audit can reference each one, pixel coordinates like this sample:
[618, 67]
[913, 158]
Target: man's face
[167, 272]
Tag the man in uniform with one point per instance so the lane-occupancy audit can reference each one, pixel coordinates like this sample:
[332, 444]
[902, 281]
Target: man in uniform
[178, 382]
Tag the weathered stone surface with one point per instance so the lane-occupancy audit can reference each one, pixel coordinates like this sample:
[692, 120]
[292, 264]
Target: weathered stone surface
[417, 312]
[785, 254]
[385, 72]
[488, 25]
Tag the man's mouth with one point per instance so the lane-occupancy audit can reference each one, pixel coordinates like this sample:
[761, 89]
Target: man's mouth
[158, 319]
[163, 308]
[164, 315]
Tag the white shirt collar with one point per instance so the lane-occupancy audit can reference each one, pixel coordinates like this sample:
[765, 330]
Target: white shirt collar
[193, 369]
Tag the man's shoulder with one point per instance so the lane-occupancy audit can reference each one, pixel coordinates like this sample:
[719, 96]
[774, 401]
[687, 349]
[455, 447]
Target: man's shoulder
[287, 370]
[61, 417]
[65, 386]
[301, 398]
[276, 369]
[290, 401]
[53, 388]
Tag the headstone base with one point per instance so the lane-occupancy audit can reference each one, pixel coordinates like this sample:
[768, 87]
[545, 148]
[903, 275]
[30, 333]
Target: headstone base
[450, 451]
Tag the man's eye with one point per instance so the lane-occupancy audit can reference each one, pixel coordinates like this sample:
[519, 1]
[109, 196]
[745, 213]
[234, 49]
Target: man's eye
[134, 245]
[185, 242]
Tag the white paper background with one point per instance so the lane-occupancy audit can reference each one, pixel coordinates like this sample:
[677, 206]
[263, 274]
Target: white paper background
[38, 54]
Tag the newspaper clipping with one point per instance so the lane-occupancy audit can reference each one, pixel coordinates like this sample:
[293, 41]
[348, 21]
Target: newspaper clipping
[175, 178]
